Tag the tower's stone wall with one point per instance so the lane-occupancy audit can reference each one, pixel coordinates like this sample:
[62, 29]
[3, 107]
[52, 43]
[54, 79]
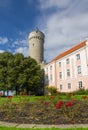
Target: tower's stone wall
[36, 43]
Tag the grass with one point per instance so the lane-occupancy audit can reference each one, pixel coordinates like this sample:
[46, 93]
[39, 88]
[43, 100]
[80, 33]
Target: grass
[14, 128]
[17, 99]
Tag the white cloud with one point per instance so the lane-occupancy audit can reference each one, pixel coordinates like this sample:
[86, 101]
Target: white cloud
[20, 42]
[21, 45]
[65, 23]
[3, 40]
[1, 51]
[54, 3]
[23, 50]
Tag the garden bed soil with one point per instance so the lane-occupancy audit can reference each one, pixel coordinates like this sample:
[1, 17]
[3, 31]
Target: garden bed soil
[45, 113]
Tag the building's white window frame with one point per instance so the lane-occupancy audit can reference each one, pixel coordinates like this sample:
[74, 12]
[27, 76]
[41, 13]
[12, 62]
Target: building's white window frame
[79, 69]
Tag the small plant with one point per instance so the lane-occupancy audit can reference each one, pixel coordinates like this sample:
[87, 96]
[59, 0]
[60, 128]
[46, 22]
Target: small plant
[52, 90]
[69, 109]
[69, 96]
[81, 91]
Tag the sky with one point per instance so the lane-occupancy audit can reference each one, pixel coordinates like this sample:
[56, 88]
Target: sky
[64, 23]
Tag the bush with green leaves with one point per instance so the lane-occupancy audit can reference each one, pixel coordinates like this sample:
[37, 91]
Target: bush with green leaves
[81, 91]
[51, 89]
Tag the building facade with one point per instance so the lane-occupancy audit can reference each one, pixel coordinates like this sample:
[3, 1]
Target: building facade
[69, 71]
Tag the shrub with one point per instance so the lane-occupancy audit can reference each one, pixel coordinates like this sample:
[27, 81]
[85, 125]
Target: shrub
[81, 91]
[51, 89]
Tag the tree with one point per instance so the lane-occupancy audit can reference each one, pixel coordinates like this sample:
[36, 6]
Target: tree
[18, 72]
[4, 70]
[30, 76]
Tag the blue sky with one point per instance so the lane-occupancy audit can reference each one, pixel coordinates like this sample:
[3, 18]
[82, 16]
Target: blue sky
[64, 22]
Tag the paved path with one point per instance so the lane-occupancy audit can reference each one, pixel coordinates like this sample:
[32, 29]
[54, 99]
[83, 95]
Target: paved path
[42, 126]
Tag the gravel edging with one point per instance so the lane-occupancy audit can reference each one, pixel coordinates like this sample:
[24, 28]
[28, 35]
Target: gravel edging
[42, 126]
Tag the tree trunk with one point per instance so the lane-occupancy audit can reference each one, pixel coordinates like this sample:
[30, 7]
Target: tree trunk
[7, 91]
[17, 90]
[27, 91]
[3, 93]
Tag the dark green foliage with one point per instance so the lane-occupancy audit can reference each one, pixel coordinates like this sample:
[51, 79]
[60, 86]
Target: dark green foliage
[51, 89]
[81, 92]
[19, 73]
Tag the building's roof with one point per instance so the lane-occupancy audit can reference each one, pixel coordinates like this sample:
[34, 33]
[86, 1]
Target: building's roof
[74, 48]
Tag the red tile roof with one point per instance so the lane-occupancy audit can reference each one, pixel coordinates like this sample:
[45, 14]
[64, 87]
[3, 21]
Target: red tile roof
[74, 48]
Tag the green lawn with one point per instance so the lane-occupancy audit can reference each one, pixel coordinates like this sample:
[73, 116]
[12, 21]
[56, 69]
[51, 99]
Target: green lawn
[18, 99]
[14, 128]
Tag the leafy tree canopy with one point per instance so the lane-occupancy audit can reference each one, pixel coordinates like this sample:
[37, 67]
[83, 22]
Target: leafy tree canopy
[19, 73]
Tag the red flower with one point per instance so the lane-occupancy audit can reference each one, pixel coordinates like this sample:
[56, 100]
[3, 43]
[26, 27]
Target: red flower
[9, 97]
[68, 104]
[52, 97]
[84, 97]
[41, 102]
[59, 104]
[69, 94]
[0, 93]
[46, 103]
[24, 94]
[59, 93]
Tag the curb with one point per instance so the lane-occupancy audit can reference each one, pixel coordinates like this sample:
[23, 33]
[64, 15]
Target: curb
[42, 126]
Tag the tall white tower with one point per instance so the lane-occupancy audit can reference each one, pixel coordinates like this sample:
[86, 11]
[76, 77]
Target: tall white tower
[36, 43]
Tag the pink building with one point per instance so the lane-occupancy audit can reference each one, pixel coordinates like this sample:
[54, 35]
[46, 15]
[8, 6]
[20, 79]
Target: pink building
[69, 70]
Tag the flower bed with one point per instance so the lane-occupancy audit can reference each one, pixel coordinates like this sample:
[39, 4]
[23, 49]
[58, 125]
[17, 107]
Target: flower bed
[45, 112]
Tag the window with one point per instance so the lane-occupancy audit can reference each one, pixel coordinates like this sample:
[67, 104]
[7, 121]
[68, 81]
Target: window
[47, 69]
[46, 78]
[59, 64]
[78, 56]
[69, 85]
[60, 75]
[67, 61]
[68, 72]
[51, 67]
[51, 78]
[60, 86]
[79, 69]
[80, 84]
